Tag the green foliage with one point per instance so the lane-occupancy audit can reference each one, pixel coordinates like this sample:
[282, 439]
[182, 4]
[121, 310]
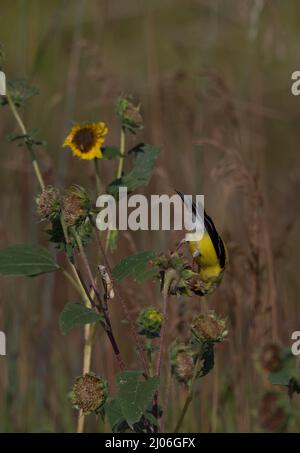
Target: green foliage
[135, 265]
[207, 357]
[110, 152]
[27, 139]
[114, 413]
[113, 240]
[129, 114]
[20, 91]
[27, 260]
[149, 322]
[134, 396]
[145, 156]
[76, 315]
[287, 375]
[56, 235]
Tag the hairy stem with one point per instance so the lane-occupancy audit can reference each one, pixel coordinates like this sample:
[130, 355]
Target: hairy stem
[28, 145]
[107, 324]
[97, 174]
[124, 308]
[189, 397]
[169, 277]
[119, 173]
[122, 152]
[71, 279]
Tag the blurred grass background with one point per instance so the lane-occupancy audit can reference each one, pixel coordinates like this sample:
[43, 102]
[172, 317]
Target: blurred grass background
[214, 81]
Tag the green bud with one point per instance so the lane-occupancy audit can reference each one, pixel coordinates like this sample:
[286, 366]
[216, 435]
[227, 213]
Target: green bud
[131, 118]
[149, 322]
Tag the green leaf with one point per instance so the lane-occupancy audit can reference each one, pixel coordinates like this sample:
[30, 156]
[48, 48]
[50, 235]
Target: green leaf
[20, 91]
[141, 172]
[207, 358]
[150, 417]
[26, 259]
[280, 377]
[136, 265]
[110, 152]
[287, 371]
[135, 395]
[76, 315]
[114, 413]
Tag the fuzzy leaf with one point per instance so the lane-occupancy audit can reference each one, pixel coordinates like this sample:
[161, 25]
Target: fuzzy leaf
[207, 359]
[141, 172]
[135, 395]
[110, 152]
[281, 377]
[27, 260]
[114, 413]
[135, 265]
[76, 315]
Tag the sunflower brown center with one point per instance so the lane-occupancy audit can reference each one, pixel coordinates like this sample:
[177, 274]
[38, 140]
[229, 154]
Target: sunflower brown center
[84, 139]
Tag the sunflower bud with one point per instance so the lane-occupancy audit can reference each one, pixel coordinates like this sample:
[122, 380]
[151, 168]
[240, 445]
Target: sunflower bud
[48, 203]
[271, 414]
[182, 362]
[89, 393]
[75, 205]
[181, 275]
[149, 322]
[209, 328]
[129, 114]
[270, 357]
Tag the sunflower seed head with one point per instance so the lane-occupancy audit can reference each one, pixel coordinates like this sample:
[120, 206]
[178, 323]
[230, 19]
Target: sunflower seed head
[89, 393]
[48, 203]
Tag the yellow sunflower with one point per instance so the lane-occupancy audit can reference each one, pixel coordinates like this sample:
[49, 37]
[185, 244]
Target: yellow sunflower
[85, 140]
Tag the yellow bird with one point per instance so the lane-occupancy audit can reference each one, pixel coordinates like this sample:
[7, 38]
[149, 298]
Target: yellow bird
[210, 253]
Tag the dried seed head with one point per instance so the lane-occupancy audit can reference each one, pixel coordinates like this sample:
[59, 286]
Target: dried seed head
[209, 327]
[182, 362]
[89, 393]
[75, 205]
[48, 203]
[184, 366]
[271, 357]
[149, 322]
[272, 416]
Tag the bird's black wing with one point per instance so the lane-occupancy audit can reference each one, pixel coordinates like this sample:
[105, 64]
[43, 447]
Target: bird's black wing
[213, 234]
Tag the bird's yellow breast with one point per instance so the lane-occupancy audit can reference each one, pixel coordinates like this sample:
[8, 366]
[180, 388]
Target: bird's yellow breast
[207, 260]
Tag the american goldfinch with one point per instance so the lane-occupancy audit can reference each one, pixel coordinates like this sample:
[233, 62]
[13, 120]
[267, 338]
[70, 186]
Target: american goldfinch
[209, 252]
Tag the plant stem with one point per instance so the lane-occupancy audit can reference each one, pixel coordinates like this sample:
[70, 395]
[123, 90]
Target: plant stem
[28, 145]
[122, 152]
[124, 308]
[190, 395]
[71, 279]
[149, 355]
[98, 179]
[119, 173]
[169, 277]
[107, 324]
[87, 348]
